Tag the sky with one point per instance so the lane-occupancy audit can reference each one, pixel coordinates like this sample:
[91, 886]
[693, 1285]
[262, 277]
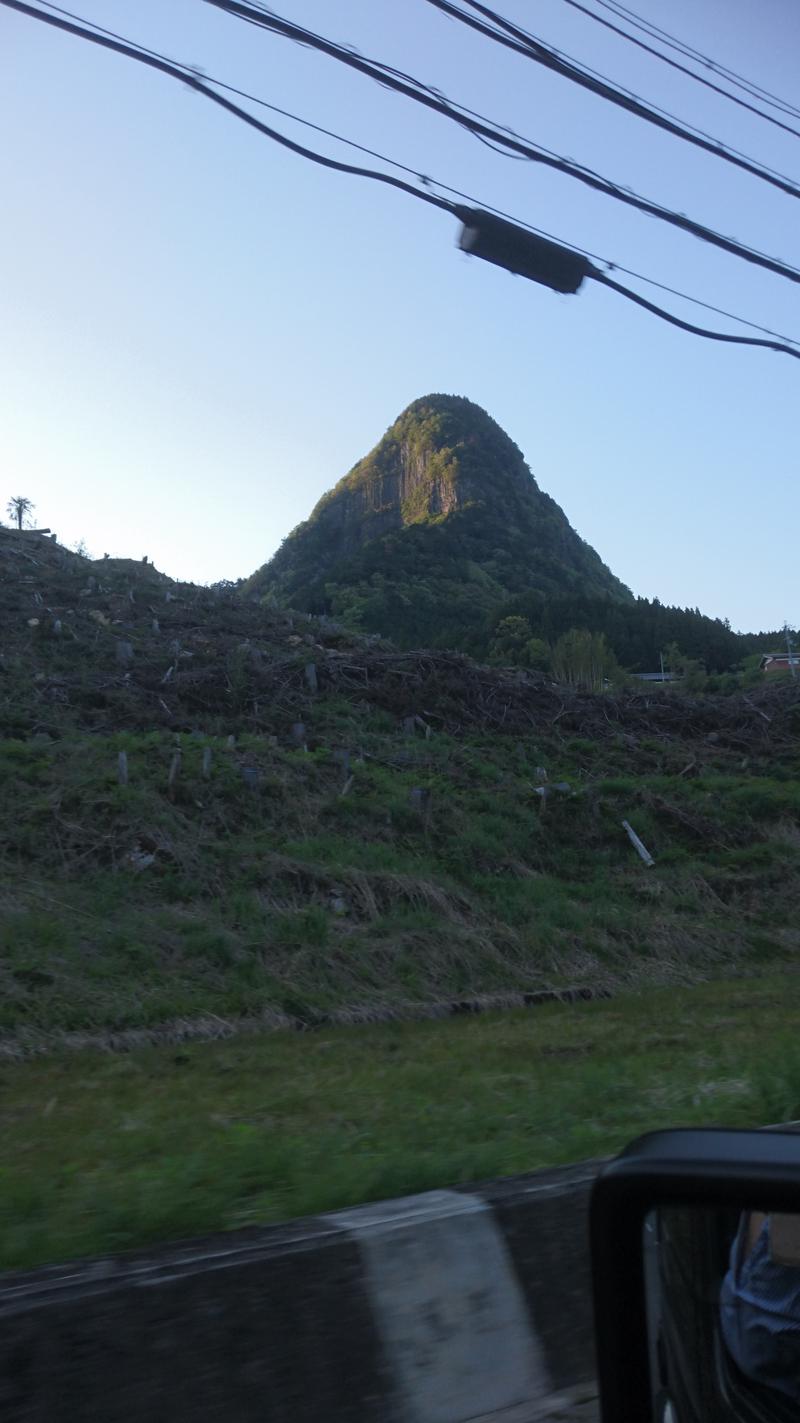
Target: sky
[201, 332]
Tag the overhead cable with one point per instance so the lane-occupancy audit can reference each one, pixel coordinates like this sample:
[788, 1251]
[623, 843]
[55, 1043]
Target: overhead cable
[429, 181]
[606, 281]
[748, 86]
[187, 75]
[421, 94]
[506, 245]
[682, 68]
[494, 26]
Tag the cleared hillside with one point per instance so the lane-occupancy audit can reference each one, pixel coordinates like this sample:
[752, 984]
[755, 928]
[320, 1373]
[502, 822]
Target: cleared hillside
[307, 826]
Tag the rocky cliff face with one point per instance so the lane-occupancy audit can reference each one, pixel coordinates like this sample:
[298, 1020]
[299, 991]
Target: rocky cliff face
[409, 478]
[444, 509]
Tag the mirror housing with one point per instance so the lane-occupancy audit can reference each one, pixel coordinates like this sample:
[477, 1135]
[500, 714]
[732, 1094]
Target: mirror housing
[709, 1168]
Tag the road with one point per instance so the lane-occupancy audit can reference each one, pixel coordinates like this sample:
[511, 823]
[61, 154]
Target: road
[580, 1405]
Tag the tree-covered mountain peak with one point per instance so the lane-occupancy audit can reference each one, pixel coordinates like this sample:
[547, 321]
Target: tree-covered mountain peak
[432, 531]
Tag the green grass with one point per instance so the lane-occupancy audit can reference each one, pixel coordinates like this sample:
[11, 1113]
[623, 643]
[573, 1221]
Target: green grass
[298, 900]
[104, 1152]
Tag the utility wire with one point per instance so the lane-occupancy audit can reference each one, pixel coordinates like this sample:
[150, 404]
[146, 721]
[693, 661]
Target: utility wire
[428, 180]
[526, 44]
[186, 75]
[480, 128]
[748, 86]
[682, 68]
[606, 281]
[617, 267]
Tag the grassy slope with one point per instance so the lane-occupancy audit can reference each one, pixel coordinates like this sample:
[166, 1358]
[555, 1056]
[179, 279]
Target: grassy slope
[327, 891]
[294, 901]
[107, 1152]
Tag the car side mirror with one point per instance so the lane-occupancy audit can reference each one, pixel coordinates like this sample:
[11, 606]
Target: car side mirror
[695, 1241]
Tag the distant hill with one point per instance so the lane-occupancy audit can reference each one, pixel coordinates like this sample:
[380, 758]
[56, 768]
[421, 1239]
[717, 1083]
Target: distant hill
[432, 532]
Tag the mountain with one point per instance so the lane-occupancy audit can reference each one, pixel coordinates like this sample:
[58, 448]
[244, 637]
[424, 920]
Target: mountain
[432, 532]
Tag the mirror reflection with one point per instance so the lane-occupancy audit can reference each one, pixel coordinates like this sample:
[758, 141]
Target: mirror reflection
[723, 1300]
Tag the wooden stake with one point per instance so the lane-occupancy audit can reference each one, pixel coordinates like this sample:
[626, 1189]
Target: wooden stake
[641, 850]
[174, 772]
[342, 758]
[122, 768]
[420, 799]
[206, 763]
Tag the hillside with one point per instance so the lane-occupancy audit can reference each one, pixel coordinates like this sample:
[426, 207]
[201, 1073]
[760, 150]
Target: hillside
[432, 532]
[216, 814]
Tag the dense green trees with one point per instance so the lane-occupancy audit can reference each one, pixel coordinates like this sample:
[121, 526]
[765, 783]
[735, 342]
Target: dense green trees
[583, 659]
[514, 643]
[638, 634]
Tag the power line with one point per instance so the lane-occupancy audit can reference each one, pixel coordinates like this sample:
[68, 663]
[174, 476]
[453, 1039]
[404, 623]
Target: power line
[606, 281]
[748, 86]
[617, 267]
[186, 75]
[526, 44]
[478, 126]
[682, 68]
[428, 180]
[505, 245]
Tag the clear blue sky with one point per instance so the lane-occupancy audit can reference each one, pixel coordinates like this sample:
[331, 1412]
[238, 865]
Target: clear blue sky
[202, 332]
